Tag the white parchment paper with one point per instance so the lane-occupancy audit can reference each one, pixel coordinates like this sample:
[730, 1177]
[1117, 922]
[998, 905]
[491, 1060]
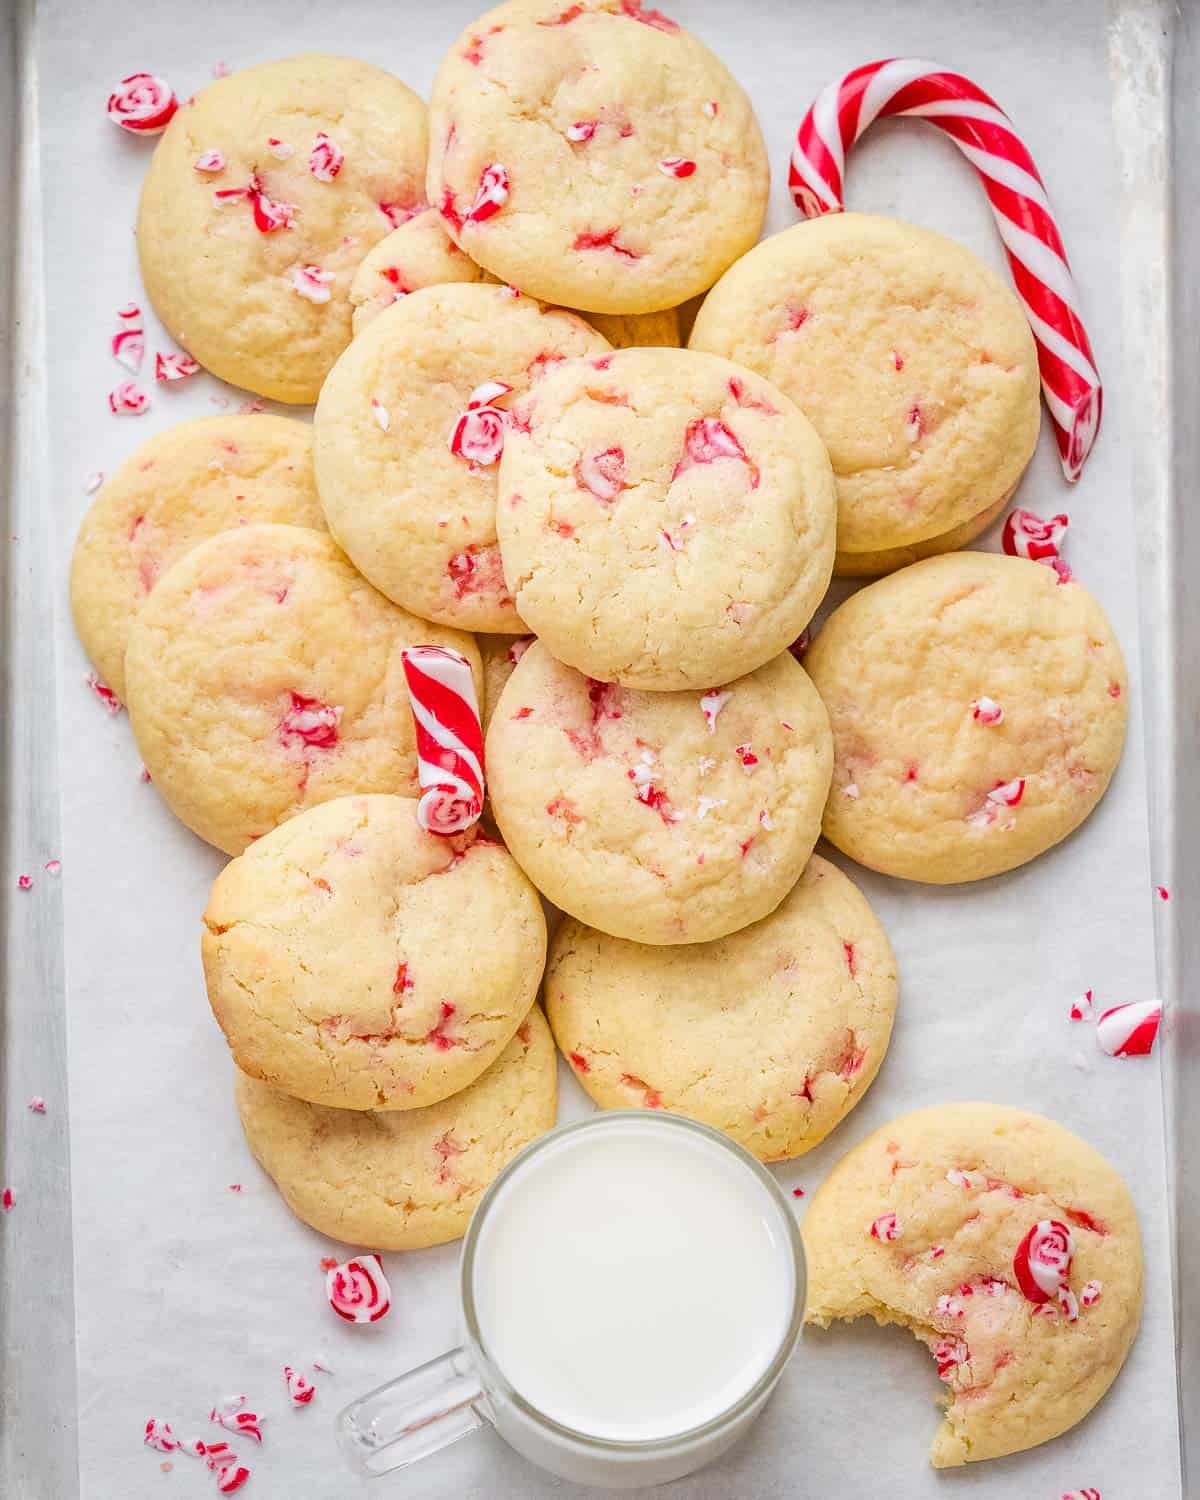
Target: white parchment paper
[187, 1291]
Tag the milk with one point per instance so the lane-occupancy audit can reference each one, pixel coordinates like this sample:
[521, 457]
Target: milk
[632, 1281]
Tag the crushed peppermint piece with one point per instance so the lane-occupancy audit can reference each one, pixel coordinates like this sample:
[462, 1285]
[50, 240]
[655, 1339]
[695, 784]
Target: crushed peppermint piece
[24, 882]
[311, 282]
[104, 693]
[53, 868]
[380, 413]
[172, 367]
[582, 130]
[677, 166]
[710, 108]
[745, 753]
[160, 1437]
[325, 160]
[358, 1290]
[280, 150]
[1027, 535]
[36, 1105]
[96, 478]
[127, 400]
[1042, 1262]
[704, 805]
[797, 1192]
[490, 196]
[1130, 1030]
[885, 1228]
[142, 104]
[213, 162]
[128, 346]
[1081, 1009]
[300, 1389]
[1162, 893]
[851, 790]
[602, 473]
[987, 711]
[1089, 1293]
[711, 705]
[8, 1200]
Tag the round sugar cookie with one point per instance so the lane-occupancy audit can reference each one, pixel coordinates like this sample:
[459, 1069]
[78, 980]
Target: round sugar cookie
[420, 253]
[910, 357]
[923, 1223]
[407, 468]
[263, 195]
[659, 817]
[666, 518]
[594, 154]
[416, 254]
[173, 491]
[264, 676]
[500, 654]
[402, 1180]
[772, 1035]
[418, 1015]
[978, 708]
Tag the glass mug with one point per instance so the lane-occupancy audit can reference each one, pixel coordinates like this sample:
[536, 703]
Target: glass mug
[632, 1287]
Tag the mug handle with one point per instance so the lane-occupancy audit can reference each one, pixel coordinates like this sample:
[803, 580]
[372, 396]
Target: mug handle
[416, 1414]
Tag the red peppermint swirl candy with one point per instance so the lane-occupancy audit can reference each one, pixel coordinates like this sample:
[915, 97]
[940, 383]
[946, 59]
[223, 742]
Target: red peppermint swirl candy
[142, 104]
[448, 809]
[358, 1290]
[1027, 535]
[1042, 1263]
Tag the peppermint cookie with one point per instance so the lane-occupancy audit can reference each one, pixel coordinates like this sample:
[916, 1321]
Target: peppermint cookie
[659, 817]
[1008, 1246]
[911, 358]
[417, 254]
[594, 154]
[420, 253]
[772, 1035]
[402, 1180]
[407, 435]
[264, 676]
[263, 195]
[417, 1016]
[978, 705]
[666, 518]
[175, 490]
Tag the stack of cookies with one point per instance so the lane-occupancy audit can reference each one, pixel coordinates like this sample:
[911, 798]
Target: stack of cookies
[628, 541]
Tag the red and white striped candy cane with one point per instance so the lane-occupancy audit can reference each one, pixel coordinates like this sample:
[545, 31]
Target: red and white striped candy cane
[988, 139]
[449, 738]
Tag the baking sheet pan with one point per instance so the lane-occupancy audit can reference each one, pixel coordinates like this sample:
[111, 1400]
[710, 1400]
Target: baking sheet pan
[183, 1290]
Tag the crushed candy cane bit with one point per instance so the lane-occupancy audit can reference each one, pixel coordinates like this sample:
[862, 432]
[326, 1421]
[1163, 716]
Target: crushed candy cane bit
[211, 162]
[311, 282]
[36, 1105]
[232, 1478]
[8, 1200]
[160, 1437]
[1087, 1493]
[745, 753]
[885, 1228]
[128, 346]
[325, 160]
[104, 693]
[1089, 1293]
[231, 1414]
[602, 473]
[300, 1389]
[1081, 1009]
[1162, 893]
[797, 1192]
[582, 130]
[235, 1187]
[142, 104]
[1042, 1263]
[24, 882]
[1027, 535]
[280, 150]
[358, 1290]
[127, 400]
[171, 367]
[677, 166]
[96, 478]
[53, 868]
[710, 108]
[1130, 1030]
[491, 195]
[987, 711]
[711, 705]
[381, 414]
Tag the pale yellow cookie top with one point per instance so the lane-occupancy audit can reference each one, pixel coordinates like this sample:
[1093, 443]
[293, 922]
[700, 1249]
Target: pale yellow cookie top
[910, 357]
[417, 519]
[500, 654]
[173, 491]
[223, 287]
[628, 811]
[924, 788]
[416, 254]
[666, 518]
[772, 1034]
[1014, 1377]
[264, 675]
[402, 1180]
[420, 1011]
[634, 168]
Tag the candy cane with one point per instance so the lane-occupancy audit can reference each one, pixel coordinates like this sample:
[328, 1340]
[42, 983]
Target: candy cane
[987, 138]
[449, 738]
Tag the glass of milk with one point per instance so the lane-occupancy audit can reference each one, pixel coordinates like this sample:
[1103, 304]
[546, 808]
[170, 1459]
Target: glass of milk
[632, 1287]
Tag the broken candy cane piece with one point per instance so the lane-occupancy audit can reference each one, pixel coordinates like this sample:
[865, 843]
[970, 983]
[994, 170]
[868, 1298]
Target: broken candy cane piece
[127, 400]
[36, 1105]
[1087, 1493]
[211, 162]
[1130, 1030]
[358, 1290]
[1090, 1292]
[24, 882]
[491, 195]
[1042, 1262]
[582, 130]
[171, 367]
[445, 709]
[1027, 535]
[1081, 1009]
[160, 1437]
[676, 166]
[325, 160]
[231, 1415]
[269, 213]
[1008, 793]
[987, 711]
[885, 1228]
[142, 104]
[232, 1478]
[299, 1387]
[602, 473]
[745, 753]
[129, 348]
[986, 136]
[711, 705]
[478, 435]
[383, 417]
[311, 282]
[103, 693]
[310, 722]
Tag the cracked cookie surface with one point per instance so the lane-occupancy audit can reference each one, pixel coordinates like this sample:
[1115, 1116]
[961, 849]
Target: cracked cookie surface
[175, 490]
[594, 154]
[659, 817]
[415, 516]
[666, 518]
[920, 1225]
[911, 358]
[978, 708]
[402, 1180]
[772, 1034]
[415, 1017]
[227, 275]
[264, 675]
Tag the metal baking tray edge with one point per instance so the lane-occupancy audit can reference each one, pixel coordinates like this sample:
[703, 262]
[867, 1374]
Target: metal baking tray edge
[1155, 57]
